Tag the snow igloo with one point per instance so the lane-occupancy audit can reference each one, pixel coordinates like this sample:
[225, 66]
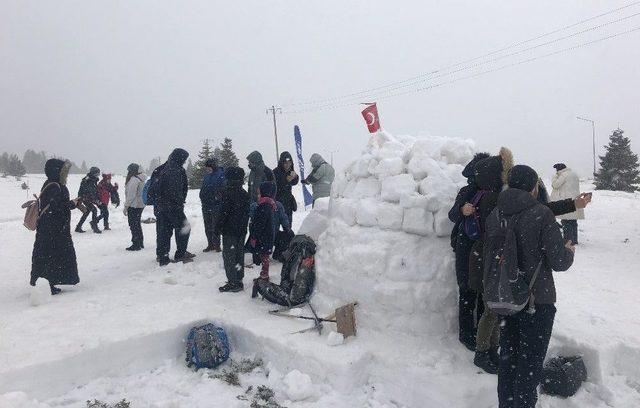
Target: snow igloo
[384, 234]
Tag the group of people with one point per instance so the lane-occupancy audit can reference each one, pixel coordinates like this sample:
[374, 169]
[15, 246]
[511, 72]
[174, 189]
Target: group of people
[513, 346]
[264, 212]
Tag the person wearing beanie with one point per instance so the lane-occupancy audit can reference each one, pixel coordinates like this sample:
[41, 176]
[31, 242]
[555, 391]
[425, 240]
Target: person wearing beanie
[54, 257]
[566, 185]
[286, 177]
[261, 229]
[232, 224]
[107, 192]
[133, 205]
[169, 190]
[258, 173]
[88, 194]
[213, 184]
[524, 336]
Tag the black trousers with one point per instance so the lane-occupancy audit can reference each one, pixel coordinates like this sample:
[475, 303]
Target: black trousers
[570, 230]
[211, 231]
[94, 214]
[470, 305]
[168, 221]
[134, 216]
[104, 214]
[524, 339]
[233, 257]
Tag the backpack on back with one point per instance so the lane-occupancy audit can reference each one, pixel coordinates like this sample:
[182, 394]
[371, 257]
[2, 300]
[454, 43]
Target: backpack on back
[506, 290]
[150, 188]
[207, 346]
[34, 210]
[471, 225]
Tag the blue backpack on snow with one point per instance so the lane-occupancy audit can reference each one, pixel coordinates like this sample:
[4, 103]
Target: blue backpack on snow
[207, 346]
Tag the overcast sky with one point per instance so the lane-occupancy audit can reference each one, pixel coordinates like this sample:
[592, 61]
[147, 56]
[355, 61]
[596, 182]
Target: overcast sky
[114, 82]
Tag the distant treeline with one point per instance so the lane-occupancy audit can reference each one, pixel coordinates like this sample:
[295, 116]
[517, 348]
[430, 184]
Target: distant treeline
[32, 162]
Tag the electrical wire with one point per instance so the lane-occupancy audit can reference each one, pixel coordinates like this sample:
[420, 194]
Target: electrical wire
[500, 68]
[420, 78]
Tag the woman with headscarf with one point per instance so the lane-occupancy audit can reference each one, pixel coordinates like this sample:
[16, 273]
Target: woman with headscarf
[133, 204]
[286, 177]
[54, 257]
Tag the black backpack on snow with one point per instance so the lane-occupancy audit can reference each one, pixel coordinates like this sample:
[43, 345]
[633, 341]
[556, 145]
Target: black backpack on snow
[563, 376]
[506, 288]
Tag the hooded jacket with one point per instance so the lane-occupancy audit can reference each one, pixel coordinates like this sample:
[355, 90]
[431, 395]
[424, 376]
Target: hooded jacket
[172, 184]
[105, 189]
[133, 191]
[283, 192]
[88, 190]
[538, 239]
[258, 174]
[321, 177]
[213, 185]
[54, 257]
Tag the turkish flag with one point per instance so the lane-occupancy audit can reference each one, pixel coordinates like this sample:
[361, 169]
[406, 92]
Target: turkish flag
[370, 115]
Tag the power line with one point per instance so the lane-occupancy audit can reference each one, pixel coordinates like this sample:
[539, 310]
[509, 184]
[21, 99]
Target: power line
[479, 64]
[422, 76]
[500, 68]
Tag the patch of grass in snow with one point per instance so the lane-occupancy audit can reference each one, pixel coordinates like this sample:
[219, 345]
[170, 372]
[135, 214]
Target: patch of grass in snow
[265, 398]
[99, 404]
[231, 374]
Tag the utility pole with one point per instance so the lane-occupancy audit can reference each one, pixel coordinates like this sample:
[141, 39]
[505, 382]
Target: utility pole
[593, 132]
[331, 152]
[273, 109]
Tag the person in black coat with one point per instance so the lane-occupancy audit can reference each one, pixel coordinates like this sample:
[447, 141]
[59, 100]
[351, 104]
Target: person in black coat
[261, 231]
[467, 300]
[524, 336]
[232, 223]
[170, 194]
[88, 194]
[258, 173]
[54, 257]
[286, 177]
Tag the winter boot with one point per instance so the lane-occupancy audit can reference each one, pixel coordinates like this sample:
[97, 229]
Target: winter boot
[79, 229]
[186, 257]
[254, 291]
[106, 226]
[217, 248]
[164, 260]
[469, 342]
[232, 287]
[94, 227]
[209, 248]
[483, 360]
[54, 290]
[134, 248]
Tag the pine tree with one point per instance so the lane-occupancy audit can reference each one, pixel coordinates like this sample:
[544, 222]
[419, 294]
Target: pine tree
[15, 167]
[34, 162]
[619, 168]
[198, 169]
[4, 163]
[227, 156]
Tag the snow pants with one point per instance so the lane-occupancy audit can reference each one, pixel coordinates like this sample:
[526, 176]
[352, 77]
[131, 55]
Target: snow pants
[133, 217]
[104, 214]
[94, 215]
[233, 257]
[570, 230]
[168, 221]
[524, 340]
[211, 231]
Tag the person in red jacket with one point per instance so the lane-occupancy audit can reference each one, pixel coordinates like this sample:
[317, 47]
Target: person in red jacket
[107, 192]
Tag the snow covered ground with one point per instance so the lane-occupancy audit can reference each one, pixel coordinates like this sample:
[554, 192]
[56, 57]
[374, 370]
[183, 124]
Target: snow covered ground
[119, 333]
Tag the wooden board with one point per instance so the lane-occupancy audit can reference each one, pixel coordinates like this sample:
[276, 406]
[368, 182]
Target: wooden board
[346, 320]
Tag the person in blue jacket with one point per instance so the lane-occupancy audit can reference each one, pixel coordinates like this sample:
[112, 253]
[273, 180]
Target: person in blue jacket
[211, 192]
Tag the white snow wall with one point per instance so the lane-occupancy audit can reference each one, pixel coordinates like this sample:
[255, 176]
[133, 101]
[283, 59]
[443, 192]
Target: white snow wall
[386, 242]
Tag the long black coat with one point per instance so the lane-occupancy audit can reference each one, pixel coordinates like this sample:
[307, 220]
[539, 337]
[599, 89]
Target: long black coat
[283, 191]
[172, 186]
[234, 211]
[54, 257]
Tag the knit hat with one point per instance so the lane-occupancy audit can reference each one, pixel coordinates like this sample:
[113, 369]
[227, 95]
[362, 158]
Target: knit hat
[179, 156]
[211, 162]
[523, 178]
[94, 171]
[106, 176]
[267, 189]
[559, 166]
[235, 174]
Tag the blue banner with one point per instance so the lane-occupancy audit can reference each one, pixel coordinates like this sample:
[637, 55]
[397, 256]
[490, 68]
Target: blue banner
[308, 198]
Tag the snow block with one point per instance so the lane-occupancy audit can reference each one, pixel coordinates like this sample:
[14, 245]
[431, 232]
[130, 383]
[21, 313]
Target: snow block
[389, 167]
[360, 167]
[389, 216]
[344, 209]
[395, 187]
[367, 213]
[369, 187]
[421, 166]
[442, 224]
[418, 221]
